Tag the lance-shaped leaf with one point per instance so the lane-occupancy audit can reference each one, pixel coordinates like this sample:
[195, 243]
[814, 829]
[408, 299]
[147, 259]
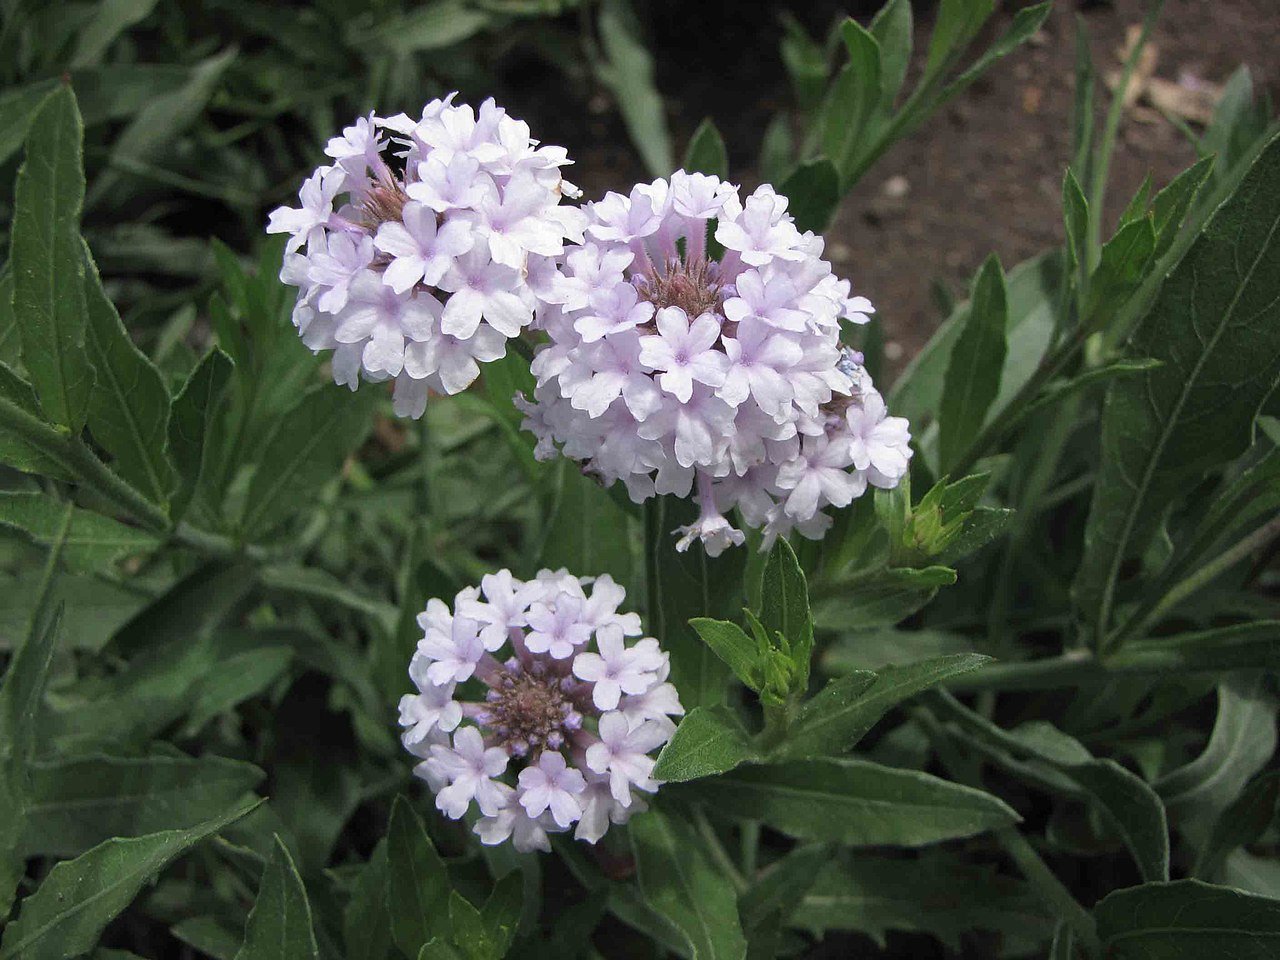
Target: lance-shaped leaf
[48, 296]
[129, 406]
[1241, 823]
[1215, 330]
[279, 925]
[680, 883]
[706, 152]
[417, 885]
[366, 923]
[682, 587]
[813, 191]
[1187, 919]
[26, 442]
[195, 410]
[93, 542]
[973, 375]
[839, 716]
[784, 606]
[79, 897]
[852, 801]
[78, 803]
[709, 740]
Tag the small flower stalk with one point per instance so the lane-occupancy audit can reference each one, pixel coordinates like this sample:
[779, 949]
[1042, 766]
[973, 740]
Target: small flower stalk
[537, 706]
[694, 349]
[415, 251]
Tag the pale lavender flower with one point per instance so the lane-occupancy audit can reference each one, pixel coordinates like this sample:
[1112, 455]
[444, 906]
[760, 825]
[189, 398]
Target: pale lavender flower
[563, 729]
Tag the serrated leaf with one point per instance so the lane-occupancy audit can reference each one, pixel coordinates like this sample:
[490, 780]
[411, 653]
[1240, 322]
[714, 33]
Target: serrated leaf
[1187, 920]
[706, 152]
[93, 542]
[1169, 207]
[129, 405]
[48, 298]
[26, 442]
[79, 897]
[851, 801]
[75, 804]
[709, 740]
[1124, 263]
[977, 362]
[194, 410]
[840, 716]
[417, 886]
[279, 925]
[1214, 328]
[770, 902]
[679, 882]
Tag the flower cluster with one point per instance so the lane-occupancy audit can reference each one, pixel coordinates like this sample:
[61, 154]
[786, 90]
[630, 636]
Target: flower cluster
[415, 266]
[532, 705]
[669, 367]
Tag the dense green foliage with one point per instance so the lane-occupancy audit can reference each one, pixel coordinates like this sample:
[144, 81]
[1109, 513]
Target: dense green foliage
[1024, 705]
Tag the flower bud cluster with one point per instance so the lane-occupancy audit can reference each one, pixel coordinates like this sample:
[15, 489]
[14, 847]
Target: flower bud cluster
[694, 345]
[412, 251]
[532, 705]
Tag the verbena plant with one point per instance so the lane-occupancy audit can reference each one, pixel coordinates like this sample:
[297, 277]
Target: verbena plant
[1022, 701]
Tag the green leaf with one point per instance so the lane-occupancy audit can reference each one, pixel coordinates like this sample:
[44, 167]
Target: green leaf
[110, 19]
[470, 935]
[683, 587]
[973, 375]
[588, 533]
[627, 69]
[769, 903]
[850, 107]
[501, 911]
[880, 599]
[79, 897]
[814, 192]
[706, 153]
[26, 442]
[1067, 388]
[239, 677]
[279, 925]
[734, 647]
[195, 410]
[957, 23]
[1214, 329]
[709, 740]
[305, 450]
[805, 61]
[208, 935]
[1243, 822]
[1128, 804]
[851, 801]
[939, 894]
[840, 716]
[417, 885]
[1244, 646]
[366, 922]
[78, 803]
[876, 649]
[129, 406]
[1025, 24]
[679, 882]
[1241, 744]
[1170, 206]
[1187, 920]
[21, 697]
[187, 611]
[784, 607]
[48, 297]
[431, 26]
[94, 542]
[892, 29]
[1125, 262]
[1075, 215]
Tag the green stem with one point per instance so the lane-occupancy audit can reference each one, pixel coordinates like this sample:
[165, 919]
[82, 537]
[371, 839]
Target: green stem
[1051, 890]
[1101, 169]
[97, 476]
[1151, 613]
